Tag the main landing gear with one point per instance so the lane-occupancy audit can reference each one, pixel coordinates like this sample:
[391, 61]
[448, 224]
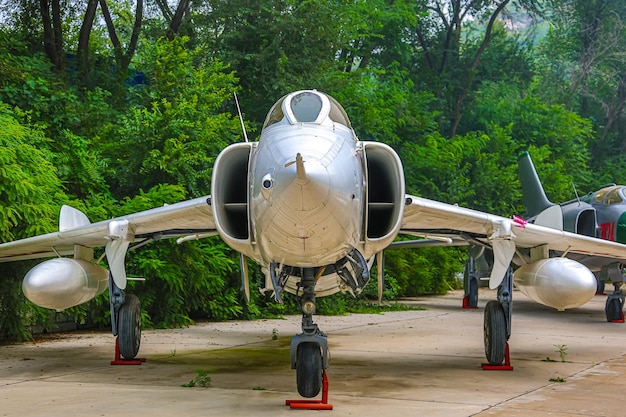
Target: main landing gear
[497, 326]
[478, 265]
[470, 284]
[309, 349]
[615, 305]
[614, 302]
[125, 324]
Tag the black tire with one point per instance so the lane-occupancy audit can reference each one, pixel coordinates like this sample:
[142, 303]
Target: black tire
[495, 333]
[472, 294]
[613, 309]
[129, 327]
[309, 369]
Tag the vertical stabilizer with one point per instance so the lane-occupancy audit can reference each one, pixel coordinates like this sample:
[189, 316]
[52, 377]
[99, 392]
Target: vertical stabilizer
[535, 200]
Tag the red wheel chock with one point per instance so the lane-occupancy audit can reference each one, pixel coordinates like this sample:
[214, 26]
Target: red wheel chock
[313, 404]
[120, 361]
[466, 303]
[619, 320]
[507, 363]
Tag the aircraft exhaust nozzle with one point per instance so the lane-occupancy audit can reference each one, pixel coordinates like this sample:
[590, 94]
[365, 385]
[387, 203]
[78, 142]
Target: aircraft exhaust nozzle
[535, 199]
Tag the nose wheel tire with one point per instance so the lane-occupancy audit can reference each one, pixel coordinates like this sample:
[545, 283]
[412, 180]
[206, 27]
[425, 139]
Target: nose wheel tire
[495, 333]
[309, 370]
[129, 327]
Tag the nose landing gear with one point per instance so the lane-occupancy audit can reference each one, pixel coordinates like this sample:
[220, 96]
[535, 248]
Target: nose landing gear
[309, 349]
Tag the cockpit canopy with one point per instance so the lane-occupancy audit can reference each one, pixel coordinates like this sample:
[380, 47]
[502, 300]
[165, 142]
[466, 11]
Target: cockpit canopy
[611, 195]
[307, 106]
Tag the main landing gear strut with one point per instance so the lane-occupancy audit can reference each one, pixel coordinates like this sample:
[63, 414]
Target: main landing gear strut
[470, 284]
[309, 350]
[125, 324]
[614, 302]
[478, 265]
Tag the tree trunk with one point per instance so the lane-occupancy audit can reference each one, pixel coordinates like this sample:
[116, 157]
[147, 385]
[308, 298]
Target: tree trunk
[58, 34]
[123, 59]
[134, 37]
[49, 44]
[82, 53]
[165, 10]
[177, 19]
[458, 111]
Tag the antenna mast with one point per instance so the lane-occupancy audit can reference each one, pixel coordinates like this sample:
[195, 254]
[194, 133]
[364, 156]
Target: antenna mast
[243, 128]
[576, 192]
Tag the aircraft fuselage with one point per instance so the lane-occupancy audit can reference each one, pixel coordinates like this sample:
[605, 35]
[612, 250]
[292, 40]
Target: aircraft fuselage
[309, 194]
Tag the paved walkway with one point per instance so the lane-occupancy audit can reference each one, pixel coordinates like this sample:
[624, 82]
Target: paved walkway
[416, 363]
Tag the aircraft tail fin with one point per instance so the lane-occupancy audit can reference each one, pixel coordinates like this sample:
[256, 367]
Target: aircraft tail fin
[536, 202]
[535, 199]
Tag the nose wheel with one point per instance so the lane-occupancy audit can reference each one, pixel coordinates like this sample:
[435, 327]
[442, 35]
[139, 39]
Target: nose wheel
[309, 369]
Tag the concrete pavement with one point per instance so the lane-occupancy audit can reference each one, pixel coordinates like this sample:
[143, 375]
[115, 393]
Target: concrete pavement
[421, 362]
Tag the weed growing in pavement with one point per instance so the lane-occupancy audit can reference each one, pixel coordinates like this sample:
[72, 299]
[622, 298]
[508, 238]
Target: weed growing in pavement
[562, 351]
[202, 380]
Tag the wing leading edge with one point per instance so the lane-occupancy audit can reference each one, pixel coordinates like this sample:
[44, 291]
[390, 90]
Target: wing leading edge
[184, 218]
[428, 218]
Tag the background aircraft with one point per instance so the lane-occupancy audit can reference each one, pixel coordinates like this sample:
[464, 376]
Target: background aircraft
[314, 206]
[600, 214]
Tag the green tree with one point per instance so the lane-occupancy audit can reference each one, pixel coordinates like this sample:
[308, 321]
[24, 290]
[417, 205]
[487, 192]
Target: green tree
[582, 66]
[514, 122]
[450, 59]
[30, 190]
[30, 196]
[191, 279]
[176, 126]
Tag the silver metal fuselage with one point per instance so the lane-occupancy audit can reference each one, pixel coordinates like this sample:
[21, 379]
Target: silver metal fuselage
[309, 194]
[308, 219]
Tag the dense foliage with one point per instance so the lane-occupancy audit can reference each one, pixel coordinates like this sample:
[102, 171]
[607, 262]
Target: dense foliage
[114, 107]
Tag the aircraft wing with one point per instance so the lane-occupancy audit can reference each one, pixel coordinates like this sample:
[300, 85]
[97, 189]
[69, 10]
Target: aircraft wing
[428, 218]
[184, 218]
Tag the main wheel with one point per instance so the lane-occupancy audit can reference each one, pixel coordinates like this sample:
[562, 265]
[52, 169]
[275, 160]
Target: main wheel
[309, 369]
[613, 309]
[129, 327]
[495, 333]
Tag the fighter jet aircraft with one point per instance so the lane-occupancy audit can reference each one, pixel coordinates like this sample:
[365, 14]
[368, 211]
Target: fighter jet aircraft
[600, 214]
[313, 206]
